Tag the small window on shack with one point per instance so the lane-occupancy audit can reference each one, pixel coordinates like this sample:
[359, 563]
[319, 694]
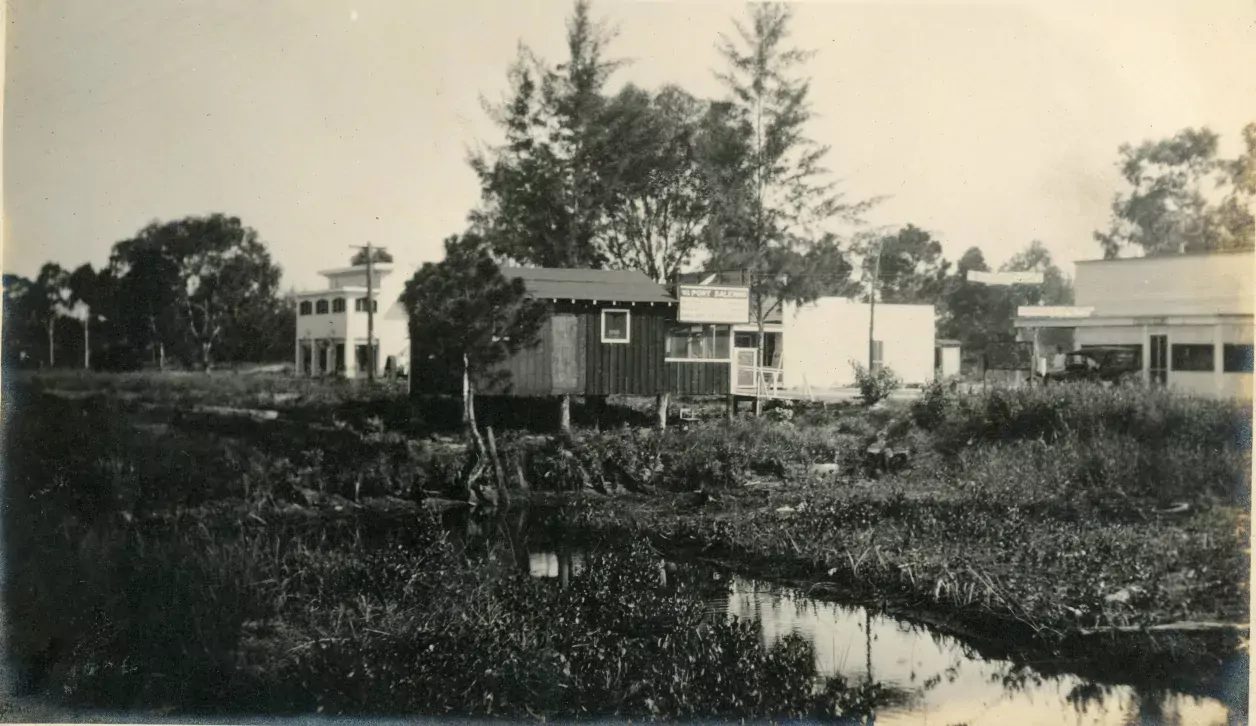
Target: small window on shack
[615, 326]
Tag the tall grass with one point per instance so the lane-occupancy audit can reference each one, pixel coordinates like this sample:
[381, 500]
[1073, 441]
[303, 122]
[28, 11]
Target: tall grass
[1106, 446]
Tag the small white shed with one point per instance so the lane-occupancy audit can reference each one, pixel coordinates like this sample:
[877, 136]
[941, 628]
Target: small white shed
[822, 338]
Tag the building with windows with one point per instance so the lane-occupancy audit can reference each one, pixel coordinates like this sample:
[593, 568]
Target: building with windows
[331, 328]
[609, 332]
[813, 345]
[1188, 317]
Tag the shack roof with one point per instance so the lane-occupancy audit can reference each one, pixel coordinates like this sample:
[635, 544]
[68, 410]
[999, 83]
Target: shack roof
[580, 284]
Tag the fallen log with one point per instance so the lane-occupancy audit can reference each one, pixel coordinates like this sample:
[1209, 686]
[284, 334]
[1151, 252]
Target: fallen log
[1183, 627]
[257, 414]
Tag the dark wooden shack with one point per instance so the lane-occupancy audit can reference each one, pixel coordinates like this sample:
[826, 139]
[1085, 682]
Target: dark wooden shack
[607, 334]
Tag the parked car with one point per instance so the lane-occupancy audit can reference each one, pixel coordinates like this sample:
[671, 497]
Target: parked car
[1101, 364]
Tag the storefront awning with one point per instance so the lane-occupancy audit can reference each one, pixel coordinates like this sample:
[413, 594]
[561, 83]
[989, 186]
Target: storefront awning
[1078, 317]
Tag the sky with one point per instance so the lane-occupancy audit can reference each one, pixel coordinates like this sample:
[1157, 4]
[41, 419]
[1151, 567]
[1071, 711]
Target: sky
[330, 123]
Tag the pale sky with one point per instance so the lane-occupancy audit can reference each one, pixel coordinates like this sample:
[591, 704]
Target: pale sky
[328, 123]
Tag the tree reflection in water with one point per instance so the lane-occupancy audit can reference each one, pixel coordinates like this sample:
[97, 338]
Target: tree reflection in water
[533, 547]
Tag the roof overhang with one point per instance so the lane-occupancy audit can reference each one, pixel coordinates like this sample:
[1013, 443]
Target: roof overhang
[380, 267]
[601, 301]
[333, 291]
[1101, 321]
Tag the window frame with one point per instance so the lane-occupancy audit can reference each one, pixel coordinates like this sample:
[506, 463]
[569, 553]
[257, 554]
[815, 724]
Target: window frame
[709, 331]
[360, 306]
[321, 307]
[305, 308]
[1175, 362]
[627, 339]
[337, 305]
[1229, 352]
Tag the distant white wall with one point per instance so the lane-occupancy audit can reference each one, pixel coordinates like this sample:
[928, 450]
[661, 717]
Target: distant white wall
[1168, 285]
[820, 340]
[950, 362]
[392, 331]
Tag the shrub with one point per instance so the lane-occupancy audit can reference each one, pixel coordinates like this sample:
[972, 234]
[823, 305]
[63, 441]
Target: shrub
[875, 387]
[930, 410]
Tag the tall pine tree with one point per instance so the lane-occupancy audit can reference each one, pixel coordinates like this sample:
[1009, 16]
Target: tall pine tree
[544, 191]
[777, 208]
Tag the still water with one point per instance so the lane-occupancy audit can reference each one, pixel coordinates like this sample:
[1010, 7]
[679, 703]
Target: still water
[943, 681]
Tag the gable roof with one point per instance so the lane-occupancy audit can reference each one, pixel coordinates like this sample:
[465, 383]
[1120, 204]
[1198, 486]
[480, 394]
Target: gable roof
[582, 284]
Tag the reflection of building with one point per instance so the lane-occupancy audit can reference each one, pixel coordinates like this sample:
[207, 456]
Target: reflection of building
[331, 330]
[1188, 317]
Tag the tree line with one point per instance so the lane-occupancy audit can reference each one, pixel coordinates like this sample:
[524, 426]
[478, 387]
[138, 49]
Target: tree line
[662, 181]
[191, 293]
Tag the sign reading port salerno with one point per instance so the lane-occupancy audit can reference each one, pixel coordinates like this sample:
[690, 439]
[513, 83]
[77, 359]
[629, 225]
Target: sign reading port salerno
[712, 304]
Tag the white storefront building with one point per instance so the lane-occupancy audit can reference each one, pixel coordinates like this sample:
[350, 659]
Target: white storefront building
[331, 329]
[806, 347]
[1189, 315]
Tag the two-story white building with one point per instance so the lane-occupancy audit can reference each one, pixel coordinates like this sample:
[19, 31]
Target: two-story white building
[1189, 316]
[331, 330]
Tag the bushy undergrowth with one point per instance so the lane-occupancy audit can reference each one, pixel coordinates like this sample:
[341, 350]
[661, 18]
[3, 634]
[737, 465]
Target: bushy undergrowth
[369, 621]
[875, 386]
[706, 456]
[218, 388]
[1034, 504]
[1105, 447]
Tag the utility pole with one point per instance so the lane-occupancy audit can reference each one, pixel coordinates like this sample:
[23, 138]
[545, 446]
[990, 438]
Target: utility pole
[872, 306]
[370, 309]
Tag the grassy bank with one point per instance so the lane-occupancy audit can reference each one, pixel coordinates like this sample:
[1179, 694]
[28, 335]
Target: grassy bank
[165, 550]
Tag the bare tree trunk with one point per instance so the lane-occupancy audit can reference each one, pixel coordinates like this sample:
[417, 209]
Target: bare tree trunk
[52, 342]
[466, 392]
[479, 455]
[206, 361]
[660, 405]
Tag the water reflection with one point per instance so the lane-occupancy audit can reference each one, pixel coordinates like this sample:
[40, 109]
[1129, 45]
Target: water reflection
[948, 683]
[936, 679]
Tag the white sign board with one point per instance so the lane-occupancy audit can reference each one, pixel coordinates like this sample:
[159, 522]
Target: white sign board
[1005, 278]
[712, 304]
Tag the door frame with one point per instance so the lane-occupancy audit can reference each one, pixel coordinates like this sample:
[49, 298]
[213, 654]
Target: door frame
[738, 367]
[1160, 371]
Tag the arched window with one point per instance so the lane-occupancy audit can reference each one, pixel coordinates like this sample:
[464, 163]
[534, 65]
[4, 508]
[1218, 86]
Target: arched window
[321, 307]
[338, 305]
[306, 308]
